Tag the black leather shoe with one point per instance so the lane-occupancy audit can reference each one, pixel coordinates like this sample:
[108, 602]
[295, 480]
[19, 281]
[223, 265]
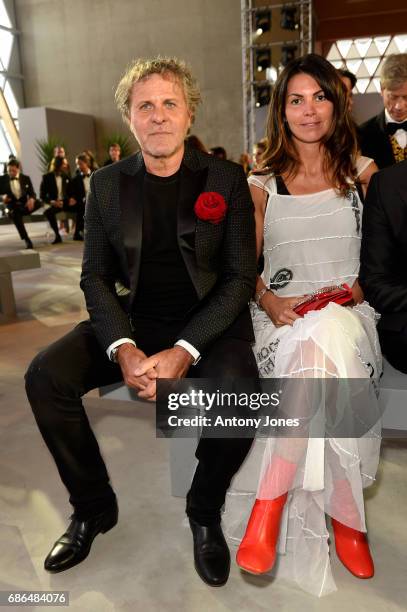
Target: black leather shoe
[211, 553]
[57, 240]
[74, 545]
[28, 244]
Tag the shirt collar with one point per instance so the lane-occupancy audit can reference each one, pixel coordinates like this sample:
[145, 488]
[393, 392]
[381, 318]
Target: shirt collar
[388, 118]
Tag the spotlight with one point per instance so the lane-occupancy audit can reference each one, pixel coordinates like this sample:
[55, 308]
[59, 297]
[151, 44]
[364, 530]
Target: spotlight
[288, 19]
[271, 74]
[263, 59]
[262, 22]
[263, 93]
[287, 54]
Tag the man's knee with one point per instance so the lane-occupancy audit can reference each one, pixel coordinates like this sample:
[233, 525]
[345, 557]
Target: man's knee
[50, 375]
[39, 376]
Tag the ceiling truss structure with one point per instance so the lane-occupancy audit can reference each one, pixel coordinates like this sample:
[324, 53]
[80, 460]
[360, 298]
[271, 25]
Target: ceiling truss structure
[280, 40]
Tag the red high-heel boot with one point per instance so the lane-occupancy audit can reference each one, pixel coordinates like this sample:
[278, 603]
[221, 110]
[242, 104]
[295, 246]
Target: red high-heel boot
[257, 551]
[353, 550]
[351, 544]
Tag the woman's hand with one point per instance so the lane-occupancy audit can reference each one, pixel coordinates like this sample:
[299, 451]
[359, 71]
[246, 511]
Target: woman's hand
[280, 309]
[357, 292]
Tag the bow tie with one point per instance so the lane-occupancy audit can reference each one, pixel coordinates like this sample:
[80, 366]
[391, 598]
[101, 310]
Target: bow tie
[391, 127]
[86, 175]
[14, 178]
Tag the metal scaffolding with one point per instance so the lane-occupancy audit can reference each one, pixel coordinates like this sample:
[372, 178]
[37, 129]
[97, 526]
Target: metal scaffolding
[300, 38]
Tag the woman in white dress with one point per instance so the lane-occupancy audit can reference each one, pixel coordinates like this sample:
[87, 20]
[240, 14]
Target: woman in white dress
[308, 209]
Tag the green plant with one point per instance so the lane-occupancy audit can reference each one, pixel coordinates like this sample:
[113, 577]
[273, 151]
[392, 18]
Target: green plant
[121, 140]
[45, 150]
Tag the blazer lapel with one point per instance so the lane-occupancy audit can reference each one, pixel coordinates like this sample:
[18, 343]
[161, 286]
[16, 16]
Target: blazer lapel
[192, 183]
[131, 221]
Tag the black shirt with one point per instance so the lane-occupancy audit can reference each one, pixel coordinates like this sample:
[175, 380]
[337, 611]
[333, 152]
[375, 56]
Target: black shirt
[165, 293]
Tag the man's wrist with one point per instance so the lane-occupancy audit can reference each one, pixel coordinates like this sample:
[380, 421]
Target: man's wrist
[112, 347]
[122, 350]
[186, 355]
[190, 349]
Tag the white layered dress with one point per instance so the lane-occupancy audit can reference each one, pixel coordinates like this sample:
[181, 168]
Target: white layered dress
[310, 242]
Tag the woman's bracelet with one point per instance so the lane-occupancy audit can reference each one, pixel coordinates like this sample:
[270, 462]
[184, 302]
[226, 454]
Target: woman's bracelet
[258, 295]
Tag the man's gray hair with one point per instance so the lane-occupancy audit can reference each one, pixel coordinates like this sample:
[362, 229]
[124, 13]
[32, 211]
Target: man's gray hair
[141, 69]
[393, 74]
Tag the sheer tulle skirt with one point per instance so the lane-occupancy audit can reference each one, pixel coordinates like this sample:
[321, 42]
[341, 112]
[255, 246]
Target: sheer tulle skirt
[323, 475]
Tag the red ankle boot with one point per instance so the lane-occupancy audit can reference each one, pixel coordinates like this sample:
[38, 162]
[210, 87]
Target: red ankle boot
[352, 549]
[257, 551]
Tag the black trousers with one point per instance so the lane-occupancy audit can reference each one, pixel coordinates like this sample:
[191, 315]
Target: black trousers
[60, 375]
[394, 347]
[16, 214]
[79, 211]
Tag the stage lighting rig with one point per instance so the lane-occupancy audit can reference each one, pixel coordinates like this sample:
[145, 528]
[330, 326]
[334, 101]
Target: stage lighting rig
[263, 59]
[263, 94]
[262, 22]
[287, 54]
[289, 19]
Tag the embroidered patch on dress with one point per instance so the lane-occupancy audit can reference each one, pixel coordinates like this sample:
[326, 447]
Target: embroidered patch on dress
[281, 279]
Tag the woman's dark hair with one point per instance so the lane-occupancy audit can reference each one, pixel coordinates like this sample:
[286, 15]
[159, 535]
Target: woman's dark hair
[348, 75]
[340, 143]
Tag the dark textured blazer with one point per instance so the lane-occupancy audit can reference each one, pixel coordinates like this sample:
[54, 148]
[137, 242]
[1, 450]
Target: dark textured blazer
[220, 258]
[383, 272]
[27, 189]
[374, 141]
[48, 187]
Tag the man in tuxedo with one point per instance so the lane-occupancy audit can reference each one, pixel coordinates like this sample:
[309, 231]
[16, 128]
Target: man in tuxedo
[384, 137]
[54, 190]
[19, 197]
[190, 271]
[115, 154]
[78, 190]
[383, 272]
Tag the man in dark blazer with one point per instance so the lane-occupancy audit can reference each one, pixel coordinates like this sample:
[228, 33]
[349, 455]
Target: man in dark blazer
[384, 137]
[78, 190]
[176, 227]
[54, 190]
[18, 195]
[383, 272]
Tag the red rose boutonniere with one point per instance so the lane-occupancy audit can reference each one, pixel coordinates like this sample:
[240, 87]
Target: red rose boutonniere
[211, 207]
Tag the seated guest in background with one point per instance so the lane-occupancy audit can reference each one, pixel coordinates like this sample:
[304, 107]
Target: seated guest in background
[384, 137]
[19, 196]
[383, 273]
[78, 191]
[54, 191]
[245, 162]
[349, 80]
[59, 151]
[93, 165]
[196, 143]
[218, 152]
[258, 151]
[115, 154]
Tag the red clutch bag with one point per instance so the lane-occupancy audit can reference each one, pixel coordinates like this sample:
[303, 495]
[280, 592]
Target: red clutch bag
[340, 294]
